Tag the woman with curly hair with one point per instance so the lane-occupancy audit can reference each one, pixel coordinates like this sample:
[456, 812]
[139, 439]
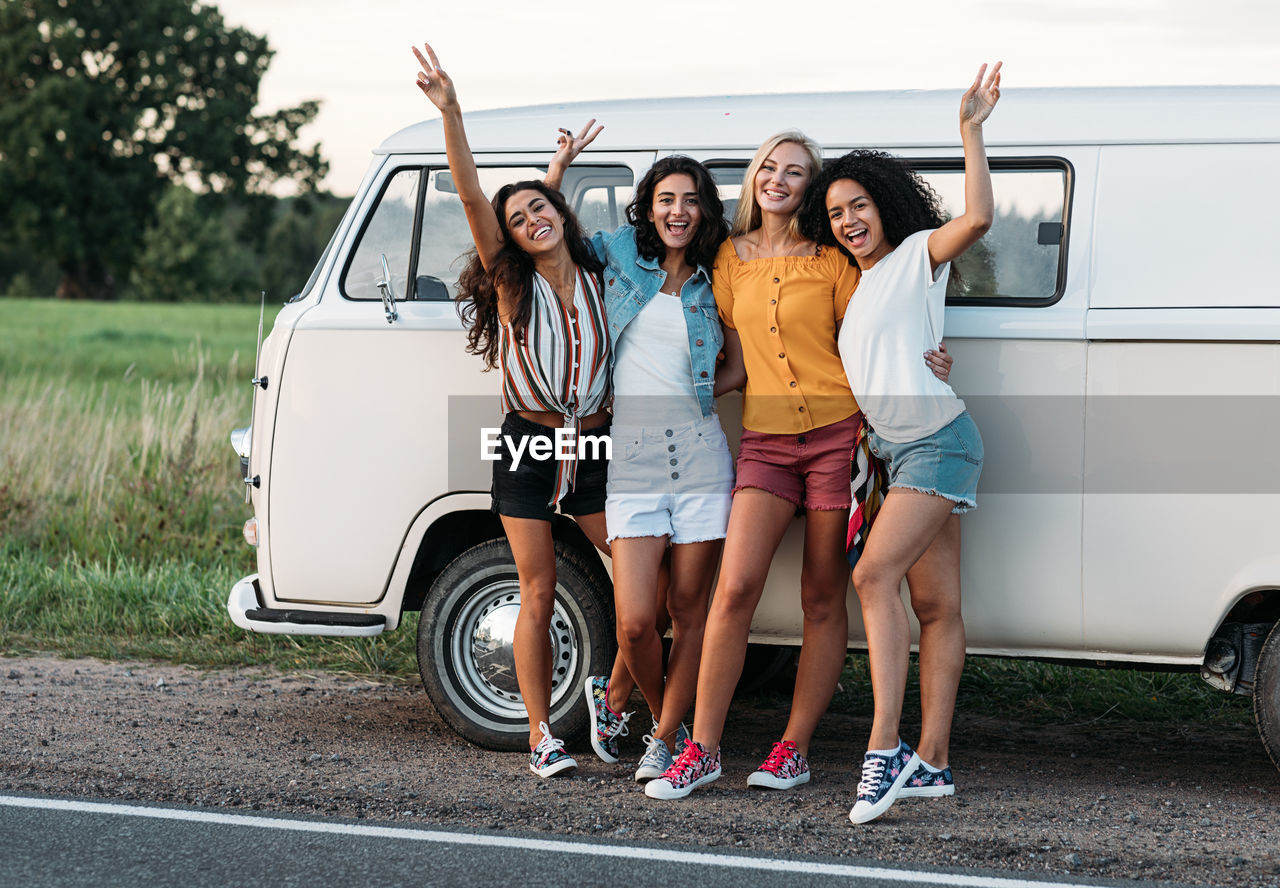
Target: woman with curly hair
[671, 472]
[784, 295]
[533, 297]
[890, 225]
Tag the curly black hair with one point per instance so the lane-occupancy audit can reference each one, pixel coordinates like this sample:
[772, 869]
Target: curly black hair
[513, 268]
[713, 228]
[905, 202]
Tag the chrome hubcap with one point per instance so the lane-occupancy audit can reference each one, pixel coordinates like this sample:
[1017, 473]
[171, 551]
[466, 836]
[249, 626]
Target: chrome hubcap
[484, 649]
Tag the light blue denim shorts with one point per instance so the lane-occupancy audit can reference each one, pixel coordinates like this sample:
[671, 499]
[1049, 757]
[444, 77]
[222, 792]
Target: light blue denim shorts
[673, 481]
[946, 463]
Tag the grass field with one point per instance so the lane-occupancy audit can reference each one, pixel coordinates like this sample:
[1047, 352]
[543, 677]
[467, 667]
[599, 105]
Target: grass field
[120, 502]
[121, 508]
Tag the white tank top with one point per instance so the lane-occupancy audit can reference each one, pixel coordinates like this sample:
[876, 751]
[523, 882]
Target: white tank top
[652, 371]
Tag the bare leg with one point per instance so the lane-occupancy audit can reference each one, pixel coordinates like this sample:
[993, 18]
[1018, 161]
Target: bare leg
[692, 567]
[535, 557]
[824, 584]
[636, 562]
[756, 526]
[907, 524]
[621, 684]
[935, 597]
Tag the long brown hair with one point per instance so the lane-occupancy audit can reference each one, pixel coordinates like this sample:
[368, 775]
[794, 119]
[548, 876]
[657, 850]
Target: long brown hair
[512, 270]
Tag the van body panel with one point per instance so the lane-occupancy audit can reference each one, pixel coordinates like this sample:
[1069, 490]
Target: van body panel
[1187, 226]
[905, 118]
[1182, 488]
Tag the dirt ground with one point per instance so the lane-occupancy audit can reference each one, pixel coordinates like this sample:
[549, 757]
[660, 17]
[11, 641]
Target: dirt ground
[1188, 806]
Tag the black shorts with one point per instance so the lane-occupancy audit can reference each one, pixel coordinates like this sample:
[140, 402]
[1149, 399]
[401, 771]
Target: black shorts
[525, 492]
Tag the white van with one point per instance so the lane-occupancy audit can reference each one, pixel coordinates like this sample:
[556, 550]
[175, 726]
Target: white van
[1116, 334]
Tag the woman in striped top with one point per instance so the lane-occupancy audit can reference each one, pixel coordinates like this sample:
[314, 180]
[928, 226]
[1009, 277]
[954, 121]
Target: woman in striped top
[532, 297]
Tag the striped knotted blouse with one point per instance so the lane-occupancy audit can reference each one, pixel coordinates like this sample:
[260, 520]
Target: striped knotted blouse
[561, 364]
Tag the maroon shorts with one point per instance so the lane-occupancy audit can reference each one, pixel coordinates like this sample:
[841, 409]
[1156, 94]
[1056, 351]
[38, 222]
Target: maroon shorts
[810, 470]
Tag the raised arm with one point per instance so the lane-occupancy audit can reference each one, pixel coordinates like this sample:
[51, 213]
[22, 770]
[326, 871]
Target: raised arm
[437, 86]
[965, 230]
[568, 147]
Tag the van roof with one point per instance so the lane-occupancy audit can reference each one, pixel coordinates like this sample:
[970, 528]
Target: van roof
[902, 119]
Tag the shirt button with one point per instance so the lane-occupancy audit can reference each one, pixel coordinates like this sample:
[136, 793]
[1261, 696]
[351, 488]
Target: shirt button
[775, 280]
[782, 354]
[669, 433]
[610, 282]
[675, 475]
[793, 383]
[698, 342]
[704, 374]
[802, 410]
[773, 301]
[671, 448]
[674, 460]
[773, 329]
[693, 308]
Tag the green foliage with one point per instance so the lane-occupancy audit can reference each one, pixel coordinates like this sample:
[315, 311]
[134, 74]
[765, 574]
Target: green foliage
[101, 104]
[1055, 693]
[187, 255]
[120, 502]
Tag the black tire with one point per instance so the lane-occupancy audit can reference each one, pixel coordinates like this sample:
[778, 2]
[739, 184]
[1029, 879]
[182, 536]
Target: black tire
[1266, 694]
[477, 596]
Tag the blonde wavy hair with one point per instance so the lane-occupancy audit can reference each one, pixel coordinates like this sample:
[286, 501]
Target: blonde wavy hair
[747, 215]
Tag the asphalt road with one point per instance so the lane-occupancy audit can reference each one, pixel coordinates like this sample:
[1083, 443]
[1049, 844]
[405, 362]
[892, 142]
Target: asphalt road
[67, 843]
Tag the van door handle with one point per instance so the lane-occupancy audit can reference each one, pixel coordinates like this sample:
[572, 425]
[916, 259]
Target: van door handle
[384, 285]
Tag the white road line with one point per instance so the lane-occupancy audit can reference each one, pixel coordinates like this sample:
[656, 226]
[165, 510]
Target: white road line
[544, 845]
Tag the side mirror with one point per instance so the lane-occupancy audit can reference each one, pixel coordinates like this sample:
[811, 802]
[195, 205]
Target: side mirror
[384, 286]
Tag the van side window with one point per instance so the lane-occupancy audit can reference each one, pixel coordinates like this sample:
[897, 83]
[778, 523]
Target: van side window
[600, 196]
[389, 232]
[728, 175]
[1022, 259]
[440, 241]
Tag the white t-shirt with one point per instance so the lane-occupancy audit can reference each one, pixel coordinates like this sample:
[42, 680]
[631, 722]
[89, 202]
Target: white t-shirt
[895, 316]
[653, 368]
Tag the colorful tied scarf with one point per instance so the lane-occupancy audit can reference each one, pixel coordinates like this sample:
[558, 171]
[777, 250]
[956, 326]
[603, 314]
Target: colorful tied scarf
[870, 484]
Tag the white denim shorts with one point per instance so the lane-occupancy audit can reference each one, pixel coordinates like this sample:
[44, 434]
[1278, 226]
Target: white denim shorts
[674, 481]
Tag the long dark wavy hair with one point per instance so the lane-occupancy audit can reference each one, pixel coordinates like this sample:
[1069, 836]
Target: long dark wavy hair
[513, 269]
[713, 228]
[905, 202]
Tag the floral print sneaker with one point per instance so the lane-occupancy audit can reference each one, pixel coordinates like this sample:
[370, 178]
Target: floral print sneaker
[695, 767]
[924, 783]
[606, 725]
[882, 778]
[784, 768]
[548, 758]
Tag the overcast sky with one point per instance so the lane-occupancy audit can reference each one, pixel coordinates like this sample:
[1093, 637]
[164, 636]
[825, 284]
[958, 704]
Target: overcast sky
[355, 57]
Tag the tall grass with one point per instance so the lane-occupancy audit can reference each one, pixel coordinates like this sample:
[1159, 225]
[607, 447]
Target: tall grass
[120, 500]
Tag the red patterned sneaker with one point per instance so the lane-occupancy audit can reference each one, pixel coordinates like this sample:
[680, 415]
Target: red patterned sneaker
[784, 768]
[693, 768]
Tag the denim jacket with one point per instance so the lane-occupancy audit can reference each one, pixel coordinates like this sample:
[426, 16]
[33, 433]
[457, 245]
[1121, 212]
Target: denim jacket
[631, 281]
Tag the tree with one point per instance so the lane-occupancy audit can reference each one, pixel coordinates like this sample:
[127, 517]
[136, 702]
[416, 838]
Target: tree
[187, 255]
[102, 104]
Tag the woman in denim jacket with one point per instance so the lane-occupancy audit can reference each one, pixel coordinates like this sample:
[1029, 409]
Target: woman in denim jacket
[671, 475]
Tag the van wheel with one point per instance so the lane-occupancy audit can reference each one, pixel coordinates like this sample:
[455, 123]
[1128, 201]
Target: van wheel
[1266, 694]
[465, 635]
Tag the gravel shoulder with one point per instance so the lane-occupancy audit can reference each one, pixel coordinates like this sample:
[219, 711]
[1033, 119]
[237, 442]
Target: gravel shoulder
[1187, 805]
